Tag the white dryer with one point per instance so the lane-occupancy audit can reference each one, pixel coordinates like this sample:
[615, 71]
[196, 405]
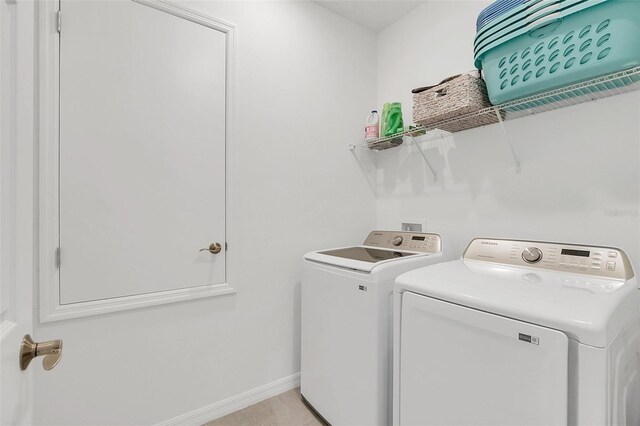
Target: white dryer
[519, 333]
[347, 297]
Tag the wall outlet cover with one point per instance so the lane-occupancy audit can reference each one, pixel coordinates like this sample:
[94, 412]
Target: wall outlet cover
[410, 225]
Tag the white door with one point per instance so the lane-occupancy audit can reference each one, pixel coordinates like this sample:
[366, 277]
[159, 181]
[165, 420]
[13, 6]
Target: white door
[16, 285]
[460, 366]
[142, 151]
[16, 321]
[145, 108]
[16, 218]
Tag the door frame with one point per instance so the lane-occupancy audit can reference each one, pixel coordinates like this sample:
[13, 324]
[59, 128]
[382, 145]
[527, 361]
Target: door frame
[48, 95]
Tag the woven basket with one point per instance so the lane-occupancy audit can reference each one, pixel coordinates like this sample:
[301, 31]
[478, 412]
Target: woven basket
[453, 98]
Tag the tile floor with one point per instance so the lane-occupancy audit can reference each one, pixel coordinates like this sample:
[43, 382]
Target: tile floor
[286, 409]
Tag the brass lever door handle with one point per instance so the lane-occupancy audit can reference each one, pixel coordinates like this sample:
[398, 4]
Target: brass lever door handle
[214, 248]
[51, 350]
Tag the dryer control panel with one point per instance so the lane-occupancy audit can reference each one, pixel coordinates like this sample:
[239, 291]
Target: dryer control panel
[603, 262]
[409, 241]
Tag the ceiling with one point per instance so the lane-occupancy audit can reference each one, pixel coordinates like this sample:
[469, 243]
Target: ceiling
[371, 14]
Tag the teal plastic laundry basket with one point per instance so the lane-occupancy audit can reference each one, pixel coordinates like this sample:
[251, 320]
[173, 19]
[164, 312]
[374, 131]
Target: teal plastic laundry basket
[595, 41]
[540, 18]
[533, 12]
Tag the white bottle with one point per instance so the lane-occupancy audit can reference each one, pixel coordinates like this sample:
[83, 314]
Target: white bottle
[372, 128]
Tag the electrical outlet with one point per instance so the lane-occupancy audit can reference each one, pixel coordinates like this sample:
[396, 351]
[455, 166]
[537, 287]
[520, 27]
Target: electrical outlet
[413, 226]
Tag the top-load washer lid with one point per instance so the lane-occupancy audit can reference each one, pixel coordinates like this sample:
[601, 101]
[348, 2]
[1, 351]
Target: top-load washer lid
[366, 254]
[380, 247]
[590, 293]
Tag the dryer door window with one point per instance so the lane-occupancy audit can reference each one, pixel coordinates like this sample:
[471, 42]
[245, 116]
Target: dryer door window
[460, 366]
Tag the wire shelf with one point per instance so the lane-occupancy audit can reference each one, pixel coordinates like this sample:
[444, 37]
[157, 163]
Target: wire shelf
[598, 88]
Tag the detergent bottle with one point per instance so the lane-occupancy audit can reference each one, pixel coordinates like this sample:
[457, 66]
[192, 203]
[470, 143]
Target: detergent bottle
[383, 119]
[394, 119]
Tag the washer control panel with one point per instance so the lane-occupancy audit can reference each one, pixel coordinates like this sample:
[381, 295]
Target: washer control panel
[532, 255]
[408, 241]
[603, 262]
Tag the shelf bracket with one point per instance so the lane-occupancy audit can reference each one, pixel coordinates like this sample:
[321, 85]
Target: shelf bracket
[426, 160]
[507, 140]
[367, 167]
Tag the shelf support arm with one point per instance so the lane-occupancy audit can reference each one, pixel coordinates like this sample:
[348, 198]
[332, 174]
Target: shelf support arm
[516, 160]
[426, 160]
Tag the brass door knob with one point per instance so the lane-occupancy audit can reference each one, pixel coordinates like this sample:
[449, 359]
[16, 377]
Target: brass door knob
[214, 248]
[51, 350]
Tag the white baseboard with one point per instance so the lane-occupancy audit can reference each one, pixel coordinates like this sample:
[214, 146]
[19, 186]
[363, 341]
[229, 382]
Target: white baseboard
[234, 403]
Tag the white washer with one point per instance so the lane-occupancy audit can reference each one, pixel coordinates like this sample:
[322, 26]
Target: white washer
[347, 296]
[519, 333]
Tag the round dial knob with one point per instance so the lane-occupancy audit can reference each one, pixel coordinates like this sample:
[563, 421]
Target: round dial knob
[397, 240]
[532, 255]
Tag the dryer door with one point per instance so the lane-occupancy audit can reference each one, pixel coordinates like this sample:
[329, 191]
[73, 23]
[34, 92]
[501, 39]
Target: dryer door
[461, 366]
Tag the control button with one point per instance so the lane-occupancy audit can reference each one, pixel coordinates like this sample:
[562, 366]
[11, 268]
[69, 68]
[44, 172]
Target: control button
[613, 254]
[532, 255]
[595, 267]
[397, 240]
[583, 267]
[611, 266]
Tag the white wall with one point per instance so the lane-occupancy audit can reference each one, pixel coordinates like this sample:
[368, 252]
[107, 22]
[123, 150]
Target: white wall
[305, 80]
[580, 178]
